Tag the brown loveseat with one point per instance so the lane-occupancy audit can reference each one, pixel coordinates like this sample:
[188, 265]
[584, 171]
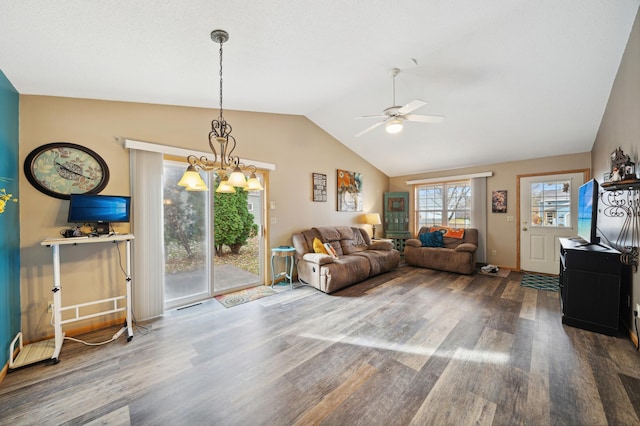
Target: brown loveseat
[457, 255]
[358, 257]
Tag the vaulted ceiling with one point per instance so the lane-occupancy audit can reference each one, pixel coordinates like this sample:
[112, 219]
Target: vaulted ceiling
[515, 79]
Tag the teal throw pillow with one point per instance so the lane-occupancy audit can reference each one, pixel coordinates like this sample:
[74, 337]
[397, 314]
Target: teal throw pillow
[432, 239]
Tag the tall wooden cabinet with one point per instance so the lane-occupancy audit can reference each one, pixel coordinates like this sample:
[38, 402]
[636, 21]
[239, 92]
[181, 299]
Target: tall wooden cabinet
[590, 280]
[396, 218]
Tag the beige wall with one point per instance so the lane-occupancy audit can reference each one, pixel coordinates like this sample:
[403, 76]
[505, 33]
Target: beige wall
[620, 129]
[501, 235]
[296, 145]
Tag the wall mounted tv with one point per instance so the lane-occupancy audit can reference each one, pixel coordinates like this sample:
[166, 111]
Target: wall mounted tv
[99, 209]
[588, 211]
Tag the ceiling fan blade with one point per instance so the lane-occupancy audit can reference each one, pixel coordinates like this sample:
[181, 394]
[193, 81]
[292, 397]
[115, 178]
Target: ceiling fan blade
[411, 106]
[371, 116]
[368, 129]
[424, 118]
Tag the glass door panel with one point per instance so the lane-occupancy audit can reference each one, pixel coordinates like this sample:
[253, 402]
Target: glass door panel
[187, 242]
[239, 239]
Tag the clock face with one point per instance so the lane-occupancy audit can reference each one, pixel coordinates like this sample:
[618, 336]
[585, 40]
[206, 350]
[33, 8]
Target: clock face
[60, 169]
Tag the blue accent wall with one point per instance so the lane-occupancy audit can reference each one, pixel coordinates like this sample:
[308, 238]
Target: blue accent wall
[10, 219]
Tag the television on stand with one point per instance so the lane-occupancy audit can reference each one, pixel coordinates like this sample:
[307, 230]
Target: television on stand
[99, 210]
[588, 195]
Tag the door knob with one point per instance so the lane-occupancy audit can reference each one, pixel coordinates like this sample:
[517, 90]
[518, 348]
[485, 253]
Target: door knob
[524, 228]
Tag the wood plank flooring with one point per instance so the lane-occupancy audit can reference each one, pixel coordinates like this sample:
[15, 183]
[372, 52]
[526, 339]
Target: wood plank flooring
[410, 347]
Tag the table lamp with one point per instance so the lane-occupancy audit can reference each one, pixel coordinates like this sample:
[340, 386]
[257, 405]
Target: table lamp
[373, 219]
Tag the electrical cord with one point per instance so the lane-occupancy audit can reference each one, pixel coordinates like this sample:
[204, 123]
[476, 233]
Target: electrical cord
[139, 327]
[119, 332]
[115, 336]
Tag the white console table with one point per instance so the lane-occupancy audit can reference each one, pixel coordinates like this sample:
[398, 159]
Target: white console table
[55, 244]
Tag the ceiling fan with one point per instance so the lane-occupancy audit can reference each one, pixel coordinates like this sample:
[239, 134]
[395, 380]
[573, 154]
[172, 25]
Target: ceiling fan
[395, 115]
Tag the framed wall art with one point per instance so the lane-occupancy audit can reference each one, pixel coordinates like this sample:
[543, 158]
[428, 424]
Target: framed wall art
[319, 187]
[499, 201]
[349, 190]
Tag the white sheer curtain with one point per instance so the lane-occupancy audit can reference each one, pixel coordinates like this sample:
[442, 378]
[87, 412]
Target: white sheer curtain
[147, 226]
[479, 215]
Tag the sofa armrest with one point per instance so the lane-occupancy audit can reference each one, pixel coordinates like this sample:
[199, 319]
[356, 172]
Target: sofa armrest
[317, 258]
[471, 248]
[413, 242]
[381, 245]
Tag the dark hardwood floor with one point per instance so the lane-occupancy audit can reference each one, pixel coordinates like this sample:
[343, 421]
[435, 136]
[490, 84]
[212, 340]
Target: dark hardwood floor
[411, 347]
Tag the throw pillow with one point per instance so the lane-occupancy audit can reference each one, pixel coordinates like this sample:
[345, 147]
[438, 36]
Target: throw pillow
[330, 250]
[432, 239]
[449, 232]
[318, 247]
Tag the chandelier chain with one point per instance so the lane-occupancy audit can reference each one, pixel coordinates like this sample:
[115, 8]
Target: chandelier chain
[221, 79]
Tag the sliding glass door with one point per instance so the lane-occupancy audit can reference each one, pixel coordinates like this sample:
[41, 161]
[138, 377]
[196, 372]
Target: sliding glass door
[213, 242]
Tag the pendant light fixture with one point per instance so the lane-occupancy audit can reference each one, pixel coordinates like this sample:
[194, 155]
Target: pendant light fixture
[228, 168]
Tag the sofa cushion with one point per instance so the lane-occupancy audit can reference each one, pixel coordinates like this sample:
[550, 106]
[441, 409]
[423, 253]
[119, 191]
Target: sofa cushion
[307, 239]
[345, 232]
[354, 244]
[432, 239]
[331, 235]
[318, 247]
[328, 234]
[380, 260]
[381, 245]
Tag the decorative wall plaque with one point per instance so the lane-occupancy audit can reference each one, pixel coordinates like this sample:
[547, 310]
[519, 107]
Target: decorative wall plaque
[319, 187]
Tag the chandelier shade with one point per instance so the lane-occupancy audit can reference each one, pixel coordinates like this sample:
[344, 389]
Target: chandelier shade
[192, 180]
[253, 184]
[222, 144]
[224, 187]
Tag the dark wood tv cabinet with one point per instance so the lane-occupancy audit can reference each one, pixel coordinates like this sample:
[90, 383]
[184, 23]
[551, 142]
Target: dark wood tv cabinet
[590, 278]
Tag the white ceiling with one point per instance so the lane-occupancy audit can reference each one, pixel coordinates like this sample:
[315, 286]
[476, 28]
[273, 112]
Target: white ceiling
[516, 79]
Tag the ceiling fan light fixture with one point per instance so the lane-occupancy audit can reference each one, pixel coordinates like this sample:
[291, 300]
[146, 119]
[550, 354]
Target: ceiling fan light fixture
[394, 126]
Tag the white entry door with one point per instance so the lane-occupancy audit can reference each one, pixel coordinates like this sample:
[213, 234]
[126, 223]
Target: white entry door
[548, 206]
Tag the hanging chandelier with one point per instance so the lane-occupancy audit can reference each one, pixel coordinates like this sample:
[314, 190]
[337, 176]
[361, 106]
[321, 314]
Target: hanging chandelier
[227, 167]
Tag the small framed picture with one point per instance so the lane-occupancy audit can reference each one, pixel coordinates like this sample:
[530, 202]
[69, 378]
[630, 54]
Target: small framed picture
[499, 201]
[630, 171]
[319, 187]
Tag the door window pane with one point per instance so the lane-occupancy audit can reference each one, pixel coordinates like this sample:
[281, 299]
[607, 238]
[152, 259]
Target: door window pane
[551, 203]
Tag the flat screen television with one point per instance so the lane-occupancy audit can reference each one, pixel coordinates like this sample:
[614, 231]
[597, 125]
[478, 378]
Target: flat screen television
[588, 211]
[99, 209]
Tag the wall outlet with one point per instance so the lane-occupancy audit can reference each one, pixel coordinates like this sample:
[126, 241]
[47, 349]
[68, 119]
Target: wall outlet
[50, 306]
[493, 253]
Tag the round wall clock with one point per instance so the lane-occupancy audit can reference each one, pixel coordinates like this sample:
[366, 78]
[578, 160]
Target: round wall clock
[60, 169]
